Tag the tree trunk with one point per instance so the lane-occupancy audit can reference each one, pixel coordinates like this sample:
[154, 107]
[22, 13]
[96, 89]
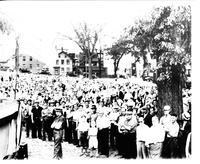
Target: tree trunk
[90, 67]
[115, 68]
[170, 92]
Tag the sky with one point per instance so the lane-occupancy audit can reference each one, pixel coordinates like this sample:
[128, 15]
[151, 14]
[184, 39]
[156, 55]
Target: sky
[39, 24]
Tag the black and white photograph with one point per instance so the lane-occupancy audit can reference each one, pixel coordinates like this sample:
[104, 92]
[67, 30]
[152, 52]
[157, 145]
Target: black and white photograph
[95, 80]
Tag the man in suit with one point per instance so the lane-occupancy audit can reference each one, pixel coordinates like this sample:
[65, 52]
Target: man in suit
[36, 117]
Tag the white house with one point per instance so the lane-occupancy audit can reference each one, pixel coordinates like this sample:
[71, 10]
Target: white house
[64, 63]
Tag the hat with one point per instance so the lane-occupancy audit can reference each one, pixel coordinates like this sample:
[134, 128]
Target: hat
[186, 115]
[51, 102]
[128, 112]
[36, 101]
[167, 108]
[58, 109]
[116, 107]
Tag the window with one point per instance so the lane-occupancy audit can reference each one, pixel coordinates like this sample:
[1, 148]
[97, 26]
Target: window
[30, 66]
[38, 65]
[67, 61]
[95, 64]
[67, 69]
[30, 58]
[57, 62]
[62, 69]
[24, 58]
[62, 62]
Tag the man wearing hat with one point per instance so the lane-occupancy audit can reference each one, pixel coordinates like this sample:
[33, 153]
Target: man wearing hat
[57, 127]
[127, 129]
[36, 120]
[165, 120]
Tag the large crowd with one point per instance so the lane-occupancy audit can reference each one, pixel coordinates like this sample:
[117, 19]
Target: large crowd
[100, 116]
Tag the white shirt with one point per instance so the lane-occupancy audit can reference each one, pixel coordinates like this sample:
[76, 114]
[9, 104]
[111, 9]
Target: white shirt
[156, 134]
[142, 132]
[165, 121]
[113, 116]
[92, 131]
[173, 130]
[103, 122]
[83, 126]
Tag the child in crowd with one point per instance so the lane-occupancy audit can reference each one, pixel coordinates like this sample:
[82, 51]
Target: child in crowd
[83, 128]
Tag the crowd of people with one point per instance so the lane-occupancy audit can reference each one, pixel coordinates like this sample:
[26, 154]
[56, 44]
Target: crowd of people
[101, 115]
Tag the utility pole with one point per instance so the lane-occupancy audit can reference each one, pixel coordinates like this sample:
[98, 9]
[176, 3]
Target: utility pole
[16, 64]
[100, 53]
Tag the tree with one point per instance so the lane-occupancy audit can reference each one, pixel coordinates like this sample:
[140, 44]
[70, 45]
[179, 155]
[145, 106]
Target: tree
[117, 51]
[5, 26]
[86, 38]
[167, 36]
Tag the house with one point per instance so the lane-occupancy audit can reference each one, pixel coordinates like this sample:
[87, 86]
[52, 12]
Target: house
[64, 63]
[97, 64]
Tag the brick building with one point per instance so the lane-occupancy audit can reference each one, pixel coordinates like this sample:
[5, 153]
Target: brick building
[30, 63]
[25, 62]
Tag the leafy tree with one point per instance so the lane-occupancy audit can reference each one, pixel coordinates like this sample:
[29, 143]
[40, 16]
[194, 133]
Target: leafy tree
[167, 37]
[118, 50]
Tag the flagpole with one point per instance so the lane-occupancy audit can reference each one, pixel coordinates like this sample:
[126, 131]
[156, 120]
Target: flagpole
[16, 64]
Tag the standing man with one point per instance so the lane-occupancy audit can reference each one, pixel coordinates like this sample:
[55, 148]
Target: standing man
[171, 144]
[142, 133]
[165, 120]
[36, 120]
[114, 115]
[27, 116]
[46, 122]
[57, 127]
[103, 125]
[155, 139]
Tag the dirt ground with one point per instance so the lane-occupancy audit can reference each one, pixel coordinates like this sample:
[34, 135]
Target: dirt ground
[38, 149]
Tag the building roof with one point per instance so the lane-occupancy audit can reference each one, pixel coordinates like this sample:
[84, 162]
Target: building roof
[3, 62]
[70, 55]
